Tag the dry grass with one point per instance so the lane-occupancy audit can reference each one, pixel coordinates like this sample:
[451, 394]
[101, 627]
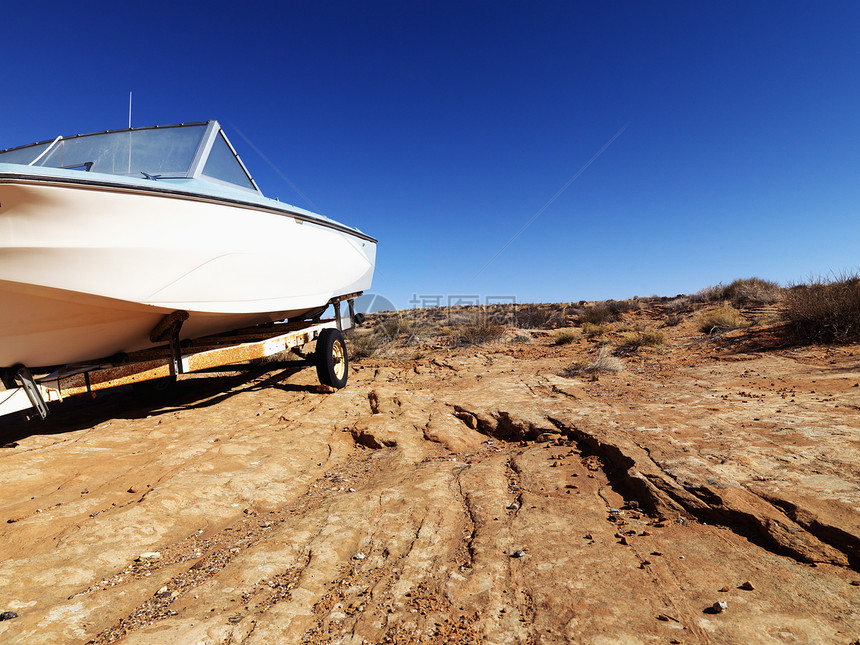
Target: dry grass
[385, 332]
[597, 314]
[479, 331]
[537, 317]
[745, 292]
[604, 363]
[365, 344]
[591, 330]
[722, 319]
[566, 336]
[753, 291]
[824, 310]
[642, 338]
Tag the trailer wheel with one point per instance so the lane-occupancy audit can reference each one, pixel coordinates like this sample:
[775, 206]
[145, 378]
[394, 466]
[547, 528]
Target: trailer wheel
[331, 359]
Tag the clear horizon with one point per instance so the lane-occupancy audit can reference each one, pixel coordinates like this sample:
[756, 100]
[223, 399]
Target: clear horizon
[544, 152]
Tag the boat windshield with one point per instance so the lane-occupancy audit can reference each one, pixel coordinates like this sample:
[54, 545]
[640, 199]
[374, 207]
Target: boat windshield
[198, 150]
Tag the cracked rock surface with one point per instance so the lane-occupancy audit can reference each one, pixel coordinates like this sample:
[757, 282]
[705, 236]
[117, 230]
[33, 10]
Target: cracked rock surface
[389, 512]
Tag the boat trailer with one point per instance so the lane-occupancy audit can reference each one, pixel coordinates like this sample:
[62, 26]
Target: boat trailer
[31, 394]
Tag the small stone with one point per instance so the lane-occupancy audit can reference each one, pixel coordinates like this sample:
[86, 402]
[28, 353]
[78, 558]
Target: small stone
[724, 589]
[359, 556]
[8, 615]
[149, 556]
[161, 591]
[720, 606]
[856, 583]
[518, 553]
[747, 586]
[351, 490]
[513, 506]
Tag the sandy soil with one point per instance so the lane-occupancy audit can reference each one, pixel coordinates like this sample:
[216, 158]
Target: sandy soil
[451, 494]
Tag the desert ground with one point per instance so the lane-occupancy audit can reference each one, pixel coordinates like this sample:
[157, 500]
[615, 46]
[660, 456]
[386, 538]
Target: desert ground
[463, 488]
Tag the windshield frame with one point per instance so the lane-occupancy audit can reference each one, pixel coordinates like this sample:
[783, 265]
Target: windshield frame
[194, 170]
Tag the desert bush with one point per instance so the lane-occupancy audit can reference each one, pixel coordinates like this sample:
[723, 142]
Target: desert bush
[752, 291]
[365, 345]
[642, 338]
[479, 331]
[604, 362]
[824, 310]
[673, 320]
[565, 336]
[596, 314]
[677, 305]
[536, 317]
[743, 292]
[521, 338]
[591, 330]
[395, 326]
[618, 307]
[724, 318]
[708, 294]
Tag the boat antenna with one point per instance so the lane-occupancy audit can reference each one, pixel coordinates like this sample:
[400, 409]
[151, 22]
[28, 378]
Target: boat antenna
[129, 132]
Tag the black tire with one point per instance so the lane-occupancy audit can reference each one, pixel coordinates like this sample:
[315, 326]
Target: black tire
[331, 358]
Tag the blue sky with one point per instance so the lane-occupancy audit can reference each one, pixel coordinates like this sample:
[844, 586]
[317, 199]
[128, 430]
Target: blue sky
[441, 128]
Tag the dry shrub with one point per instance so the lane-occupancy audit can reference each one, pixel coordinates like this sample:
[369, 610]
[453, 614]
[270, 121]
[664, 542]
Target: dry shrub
[744, 292]
[591, 330]
[824, 310]
[596, 314]
[536, 317]
[752, 291]
[673, 320]
[678, 305]
[618, 307]
[708, 294]
[395, 326]
[367, 344]
[565, 336]
[604, 363]
[721, 319]
[642, 338]
[481, 330]
[383, 333]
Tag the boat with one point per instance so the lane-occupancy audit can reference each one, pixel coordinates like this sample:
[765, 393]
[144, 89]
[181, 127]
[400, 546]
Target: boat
[108, 239]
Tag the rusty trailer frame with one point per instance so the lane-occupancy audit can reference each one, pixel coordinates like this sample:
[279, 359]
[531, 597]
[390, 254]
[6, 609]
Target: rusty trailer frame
[238, 346]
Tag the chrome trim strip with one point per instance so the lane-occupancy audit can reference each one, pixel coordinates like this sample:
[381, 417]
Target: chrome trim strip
[9, 177]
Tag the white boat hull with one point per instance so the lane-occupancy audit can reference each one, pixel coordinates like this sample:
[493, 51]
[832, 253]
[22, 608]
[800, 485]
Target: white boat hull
[88, 271]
